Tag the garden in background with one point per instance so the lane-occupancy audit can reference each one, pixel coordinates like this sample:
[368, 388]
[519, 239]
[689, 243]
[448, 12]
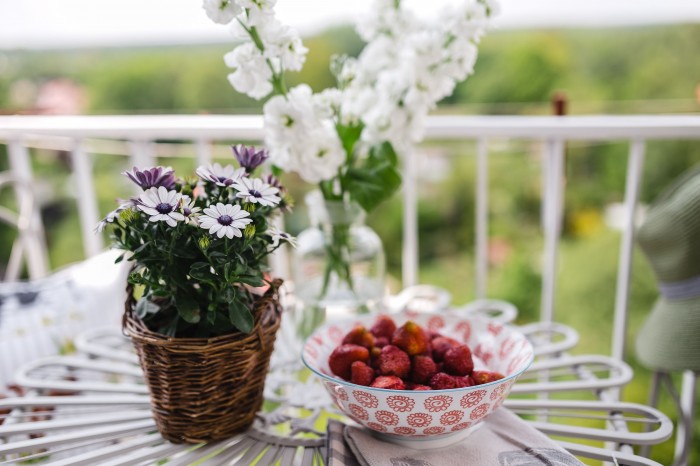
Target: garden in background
[634, 70]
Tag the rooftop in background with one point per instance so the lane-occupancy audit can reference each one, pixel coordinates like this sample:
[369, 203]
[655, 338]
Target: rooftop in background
[85, 23]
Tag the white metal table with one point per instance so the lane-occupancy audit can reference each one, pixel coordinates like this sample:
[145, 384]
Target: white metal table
[93, 408]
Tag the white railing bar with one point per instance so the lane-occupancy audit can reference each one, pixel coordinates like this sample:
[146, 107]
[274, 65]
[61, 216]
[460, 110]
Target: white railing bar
[142, 153]
[409, 266]
[135, 127]
[635, 166]
[593, 127]
[250, 127]
[553, 201]
[482, 218]
[202, 151]
[33, 244]
[686, 407]
[87, 199]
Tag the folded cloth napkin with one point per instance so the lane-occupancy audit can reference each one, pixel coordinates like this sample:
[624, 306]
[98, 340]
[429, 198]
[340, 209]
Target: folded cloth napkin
[503, 440]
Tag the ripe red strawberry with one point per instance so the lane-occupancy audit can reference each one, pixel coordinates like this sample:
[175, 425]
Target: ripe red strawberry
[481, 377]
[361, 373]
[465, 381]
[411, 338]
[458, 361]
[384, 326]
[341, 359]
[359, 336]
[422, 369]
[440, 346]
[417, 387]
[381, 342]
[390, 382]
[393, 361]
[443, 381]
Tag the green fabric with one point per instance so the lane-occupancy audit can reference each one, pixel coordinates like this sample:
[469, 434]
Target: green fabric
[670, 239]
[669, 339]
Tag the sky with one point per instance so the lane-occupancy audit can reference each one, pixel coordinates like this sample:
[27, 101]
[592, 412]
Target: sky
[87, 23]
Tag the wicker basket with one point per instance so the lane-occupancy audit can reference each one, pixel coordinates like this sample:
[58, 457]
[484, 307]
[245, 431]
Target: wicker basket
[206, 389]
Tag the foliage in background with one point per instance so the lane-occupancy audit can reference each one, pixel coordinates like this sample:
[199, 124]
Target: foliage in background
[621, 70]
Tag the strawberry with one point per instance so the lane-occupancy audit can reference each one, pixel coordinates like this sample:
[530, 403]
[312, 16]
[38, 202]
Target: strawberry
[458, 360]
[390, 382]
[393, 361]
[361, 373]
[411, 338]
[422, 369]
[384, 327]
[359, 336]
[440, 346]
[341, 359]
[481, 377]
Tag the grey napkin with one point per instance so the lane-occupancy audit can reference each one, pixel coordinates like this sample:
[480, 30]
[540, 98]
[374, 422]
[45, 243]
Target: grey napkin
[503, 440]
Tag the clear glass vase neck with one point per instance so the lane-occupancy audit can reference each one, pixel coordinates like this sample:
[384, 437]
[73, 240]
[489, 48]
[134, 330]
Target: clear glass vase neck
[329, 213]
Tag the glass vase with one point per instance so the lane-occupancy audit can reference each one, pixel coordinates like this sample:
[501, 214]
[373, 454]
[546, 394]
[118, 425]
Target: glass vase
[338, 264]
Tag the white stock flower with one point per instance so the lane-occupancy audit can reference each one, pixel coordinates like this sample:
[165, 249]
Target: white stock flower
[322, 155]
[385, 19]
[221, 11]
[259, 11]
[252, 74]
[284, 44]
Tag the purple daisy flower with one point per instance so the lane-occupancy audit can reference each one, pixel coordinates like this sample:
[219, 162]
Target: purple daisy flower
[152, 177]
[249, 157]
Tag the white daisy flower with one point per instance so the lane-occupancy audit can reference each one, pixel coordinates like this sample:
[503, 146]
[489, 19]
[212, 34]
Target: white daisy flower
[112, 216]
[221, 176]
[223, 220]
[189, 210]
[278, 235]
[160, 204]
[255, 190]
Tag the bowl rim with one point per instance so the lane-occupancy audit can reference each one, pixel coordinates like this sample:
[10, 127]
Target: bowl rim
[338, 380]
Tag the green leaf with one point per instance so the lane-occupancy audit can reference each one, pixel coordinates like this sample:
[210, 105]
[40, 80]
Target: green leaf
[252, 280]
[202, 271]
[187, 308]
[240, 316]
[377, 179]
[144, 307]
[349, 135]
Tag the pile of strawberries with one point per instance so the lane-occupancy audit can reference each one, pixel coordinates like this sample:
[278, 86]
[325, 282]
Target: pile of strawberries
[405, 358]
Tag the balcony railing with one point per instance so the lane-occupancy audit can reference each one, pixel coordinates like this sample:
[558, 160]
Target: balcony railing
[141, 138]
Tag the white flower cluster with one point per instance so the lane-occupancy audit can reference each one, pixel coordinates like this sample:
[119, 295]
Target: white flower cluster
[274, 48]
[406, 68]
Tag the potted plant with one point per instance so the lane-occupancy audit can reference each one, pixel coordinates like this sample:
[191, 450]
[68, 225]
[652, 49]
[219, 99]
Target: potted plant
[201, 310]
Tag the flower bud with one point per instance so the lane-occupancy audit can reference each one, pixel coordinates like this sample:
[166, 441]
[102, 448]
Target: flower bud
[204, 243]
[249, 231]
[249, 207]
[127, 216]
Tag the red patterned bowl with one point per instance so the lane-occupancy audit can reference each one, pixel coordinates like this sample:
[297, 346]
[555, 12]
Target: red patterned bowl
[430, 418]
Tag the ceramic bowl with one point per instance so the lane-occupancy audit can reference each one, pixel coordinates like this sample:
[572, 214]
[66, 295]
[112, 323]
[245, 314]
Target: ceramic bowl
[430, 418]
